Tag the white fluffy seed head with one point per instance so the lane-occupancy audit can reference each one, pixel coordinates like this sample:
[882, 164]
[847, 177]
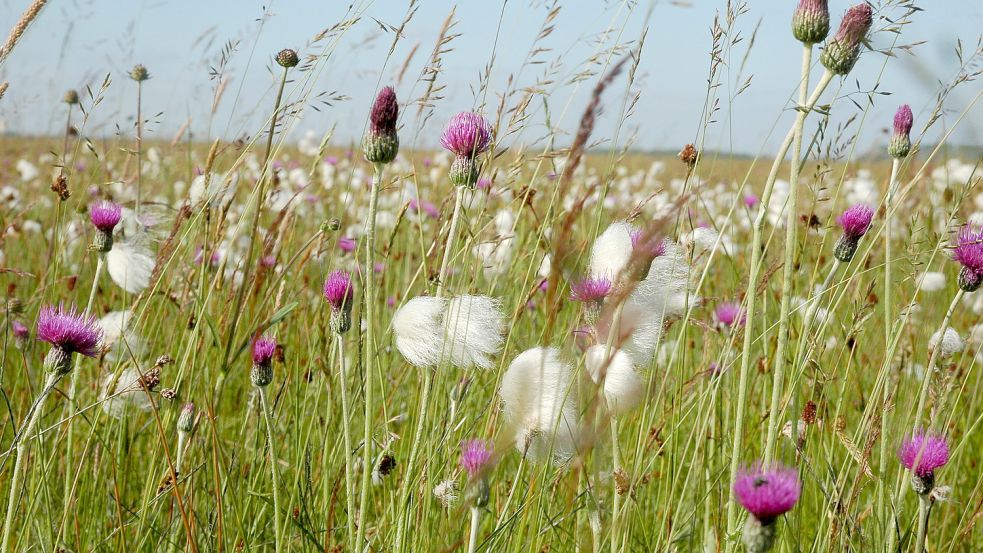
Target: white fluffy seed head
[611, 252]
[130, 265]
[538, 399]
[119, 340]
[126, 394]
[932, 282]
[474, 327]
[623, 387]
[950, 341]
[418, 330]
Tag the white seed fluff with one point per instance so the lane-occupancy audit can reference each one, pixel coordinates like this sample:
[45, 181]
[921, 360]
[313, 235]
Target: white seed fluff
[623, 387]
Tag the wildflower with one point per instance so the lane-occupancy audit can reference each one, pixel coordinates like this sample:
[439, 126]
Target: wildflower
[467, 136]
[139, 73]
[654, 246]
[729, 315]
[186, 419]
[591, 291]
[751, 201]
[900, 144]
[381, 144]
[949, 340]
[287, 58]
[475, 454]
[262, 372]
[612, 252]
[339, 293]
[810, 22]
[21, 332]
[104, 216]
[539, 406]
[766, 494]
[623, 387]
[346, 244]
[923, 453]
[68, 332]
[968, 252]
[843, 50]
[689, 155]
[71, 97]
[855, 223]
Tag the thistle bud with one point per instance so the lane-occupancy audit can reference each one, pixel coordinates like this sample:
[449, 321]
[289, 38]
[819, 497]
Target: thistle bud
[810, 22]
[58, 361]
[339, 293]
[900, 144]
[262, 371]
[139, 73]
[381, 144]
[186, 420]
[855, 222]
[843, 50]
[758, 537]
[71, 97]
[464, 171]
[287, 58]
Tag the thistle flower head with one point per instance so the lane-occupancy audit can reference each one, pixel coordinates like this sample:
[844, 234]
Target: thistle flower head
[263, 349]
[652, 245]
[922, 453]
[105, 215]
[287, 58]
[385, 112]
[71, 97]
[843, 50]
[855, 221]
[767, 493]
[900, 143]
[590, 289]
[69, 330]
[475, 454]
[968, 252]
[730, 314]
[139, 73]
[810, 22]
[338, 290]
[903, 120]
[751, 201]
[467, 135]
[186, 419]
[20, 331]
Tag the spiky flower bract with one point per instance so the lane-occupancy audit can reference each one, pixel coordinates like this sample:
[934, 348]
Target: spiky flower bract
[263, 349]
[381, 143]
[68, 331]
[810, 22]
[923, 453]
[855, 222]
[843, 50]
[467, 136]
[968, 252]
[339, 293]
[139, 73]
[900, 144]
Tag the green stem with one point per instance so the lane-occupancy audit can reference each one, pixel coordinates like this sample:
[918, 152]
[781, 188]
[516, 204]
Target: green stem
[347, 440]
[451, 237]
[751, 295]
[139, 145]
[888, 326]
[370, 362]
[475, 524]
[788, 269]
[268, 417]
[924, 507]
[23, 441]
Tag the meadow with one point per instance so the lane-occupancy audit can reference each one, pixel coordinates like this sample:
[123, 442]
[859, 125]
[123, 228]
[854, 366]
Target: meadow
[289, 342]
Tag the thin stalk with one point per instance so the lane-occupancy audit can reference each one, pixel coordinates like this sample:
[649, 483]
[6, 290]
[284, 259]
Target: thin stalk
[924, 507]
[268, 418]
[347, 439]
[615, 498]
[451, 237]
[751, 296]
[23, 442]
[369, 286]
[72, 404]
[475, 524]
[788, 269]
[888, 326]
[139, 144]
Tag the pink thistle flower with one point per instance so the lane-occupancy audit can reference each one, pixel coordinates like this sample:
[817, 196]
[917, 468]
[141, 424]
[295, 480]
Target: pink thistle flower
[263, 349]
[767, 494]
[652, 245]
[810, 22]
[105, 215]
[729, 315]
[856, 221]
[968, 252]
[900, 144]
[484, 183]
[468, 134]
[69, 330]
[338, 290]
[385, 112]
[843, 50]
[923, 453]
[346, 244]
[903, 120]
[426, 207]
[751, 201]
[590, 289]
[475, 454]
[20, 331]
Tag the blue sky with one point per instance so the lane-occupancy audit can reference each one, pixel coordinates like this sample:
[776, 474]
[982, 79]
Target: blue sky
[77, 42]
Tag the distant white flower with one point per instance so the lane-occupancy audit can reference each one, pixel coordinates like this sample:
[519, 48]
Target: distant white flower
[611, 252]
[545, 267]
[119, 340]
[126, 393]
[623, 387]
[539, 403]
[130, 265]
[932, 282]
[419, 332]
[474, 331]
[950, 340]
[27, 170]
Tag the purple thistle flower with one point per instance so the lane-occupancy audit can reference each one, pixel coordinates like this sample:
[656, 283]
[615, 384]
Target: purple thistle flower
[590, 289]
[263, 349]
[751, 201]
[69, 330]
[903, 120]
[475, 454]
[468, 134]
[652, 245]
[426, 207]
[338, 290]
[730, 314]
[900, 144]
[810, 22]
[767, 494]
[20, 331]
[268, 261]
[843, 50]
[856, 221]
[346, 244]
[385, 112]
[968, 252]
[105, 215]
[484, 183]
[923, 453]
